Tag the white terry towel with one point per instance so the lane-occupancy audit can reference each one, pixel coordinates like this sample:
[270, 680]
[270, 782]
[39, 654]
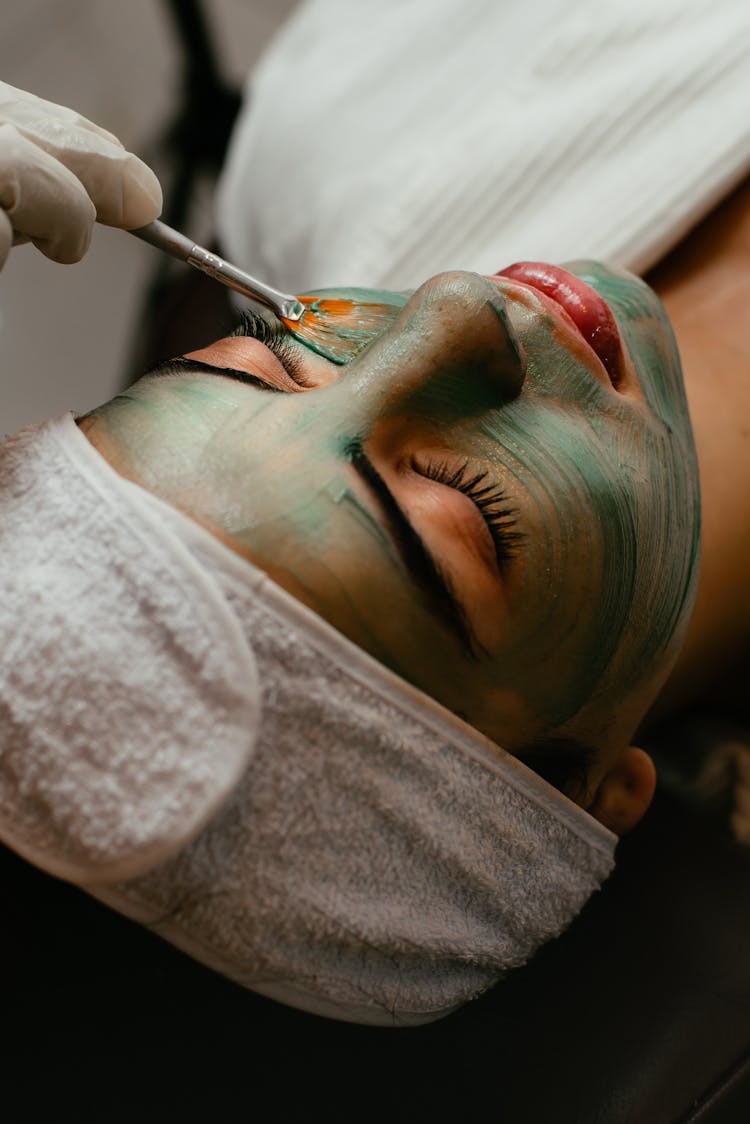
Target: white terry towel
[382, 144]
[125, 720]
[377, 860]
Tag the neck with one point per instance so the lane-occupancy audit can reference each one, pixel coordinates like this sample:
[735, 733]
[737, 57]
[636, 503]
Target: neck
[705, 286]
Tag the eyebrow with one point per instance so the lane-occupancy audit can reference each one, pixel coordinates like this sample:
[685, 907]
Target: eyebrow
[183, 366]
[422, 566]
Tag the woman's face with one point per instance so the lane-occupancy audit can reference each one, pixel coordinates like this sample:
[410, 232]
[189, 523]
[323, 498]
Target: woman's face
[497, 497]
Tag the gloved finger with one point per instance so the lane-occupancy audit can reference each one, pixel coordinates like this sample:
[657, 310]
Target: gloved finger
[6, 237]
[19, 107]
[42, 199]
[124, 190]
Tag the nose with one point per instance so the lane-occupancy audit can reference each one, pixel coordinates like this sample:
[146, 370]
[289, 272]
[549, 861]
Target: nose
[450, 352]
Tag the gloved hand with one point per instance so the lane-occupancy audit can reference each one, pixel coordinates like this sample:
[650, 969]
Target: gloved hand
[60, 173]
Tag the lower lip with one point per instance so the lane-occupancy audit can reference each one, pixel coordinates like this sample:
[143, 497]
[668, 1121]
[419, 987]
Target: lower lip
[589, 312]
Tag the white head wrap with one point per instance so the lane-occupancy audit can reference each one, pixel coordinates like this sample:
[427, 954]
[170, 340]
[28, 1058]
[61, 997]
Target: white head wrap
[203, 753]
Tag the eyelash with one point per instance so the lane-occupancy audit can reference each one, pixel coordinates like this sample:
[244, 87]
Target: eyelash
[489, 499]
[257, 327]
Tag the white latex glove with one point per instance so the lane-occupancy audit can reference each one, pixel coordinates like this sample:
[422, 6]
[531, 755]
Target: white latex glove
[60, 173]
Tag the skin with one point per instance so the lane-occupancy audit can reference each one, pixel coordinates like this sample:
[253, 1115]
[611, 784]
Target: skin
[705, 285]
[575, 626]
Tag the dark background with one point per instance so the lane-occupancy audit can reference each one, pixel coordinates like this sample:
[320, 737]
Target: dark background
[639, 1013]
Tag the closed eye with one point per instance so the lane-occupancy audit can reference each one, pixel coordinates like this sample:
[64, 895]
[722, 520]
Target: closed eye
[426, 570]
[184, 366]
[276, 339]
[489, 499]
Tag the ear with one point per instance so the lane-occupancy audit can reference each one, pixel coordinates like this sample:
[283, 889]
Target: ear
[626, 791]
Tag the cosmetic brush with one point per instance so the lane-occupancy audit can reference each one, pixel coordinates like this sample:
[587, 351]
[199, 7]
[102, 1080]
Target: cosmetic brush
[335, 327]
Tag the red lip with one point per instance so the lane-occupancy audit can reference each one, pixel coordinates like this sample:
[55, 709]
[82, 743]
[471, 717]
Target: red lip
[589, 312]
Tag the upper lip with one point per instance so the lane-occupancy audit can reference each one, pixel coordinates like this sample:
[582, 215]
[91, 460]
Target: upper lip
[588, 311]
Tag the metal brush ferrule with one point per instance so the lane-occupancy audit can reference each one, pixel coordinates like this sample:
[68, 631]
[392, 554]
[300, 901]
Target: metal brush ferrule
[172, 242]
[282, 304]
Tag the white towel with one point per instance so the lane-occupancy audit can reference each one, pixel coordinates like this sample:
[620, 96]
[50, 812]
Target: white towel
[129, 700]
[380, 144]
[377, 859]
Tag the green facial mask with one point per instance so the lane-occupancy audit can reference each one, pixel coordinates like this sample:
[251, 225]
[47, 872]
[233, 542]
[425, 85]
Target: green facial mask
[603, 489]
[591, 468]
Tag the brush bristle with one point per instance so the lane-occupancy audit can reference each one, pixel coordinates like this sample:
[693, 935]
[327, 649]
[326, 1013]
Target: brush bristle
[339, 328]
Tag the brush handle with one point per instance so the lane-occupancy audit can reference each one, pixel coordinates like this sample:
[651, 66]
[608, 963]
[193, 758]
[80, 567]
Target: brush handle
[184, 249]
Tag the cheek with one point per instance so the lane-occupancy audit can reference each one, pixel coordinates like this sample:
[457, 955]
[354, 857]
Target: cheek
[559, 580]
[577, 562]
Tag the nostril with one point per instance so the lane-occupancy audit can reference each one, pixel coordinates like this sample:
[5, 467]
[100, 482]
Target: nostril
[510, 365]
[468, 317]
[451, 352]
